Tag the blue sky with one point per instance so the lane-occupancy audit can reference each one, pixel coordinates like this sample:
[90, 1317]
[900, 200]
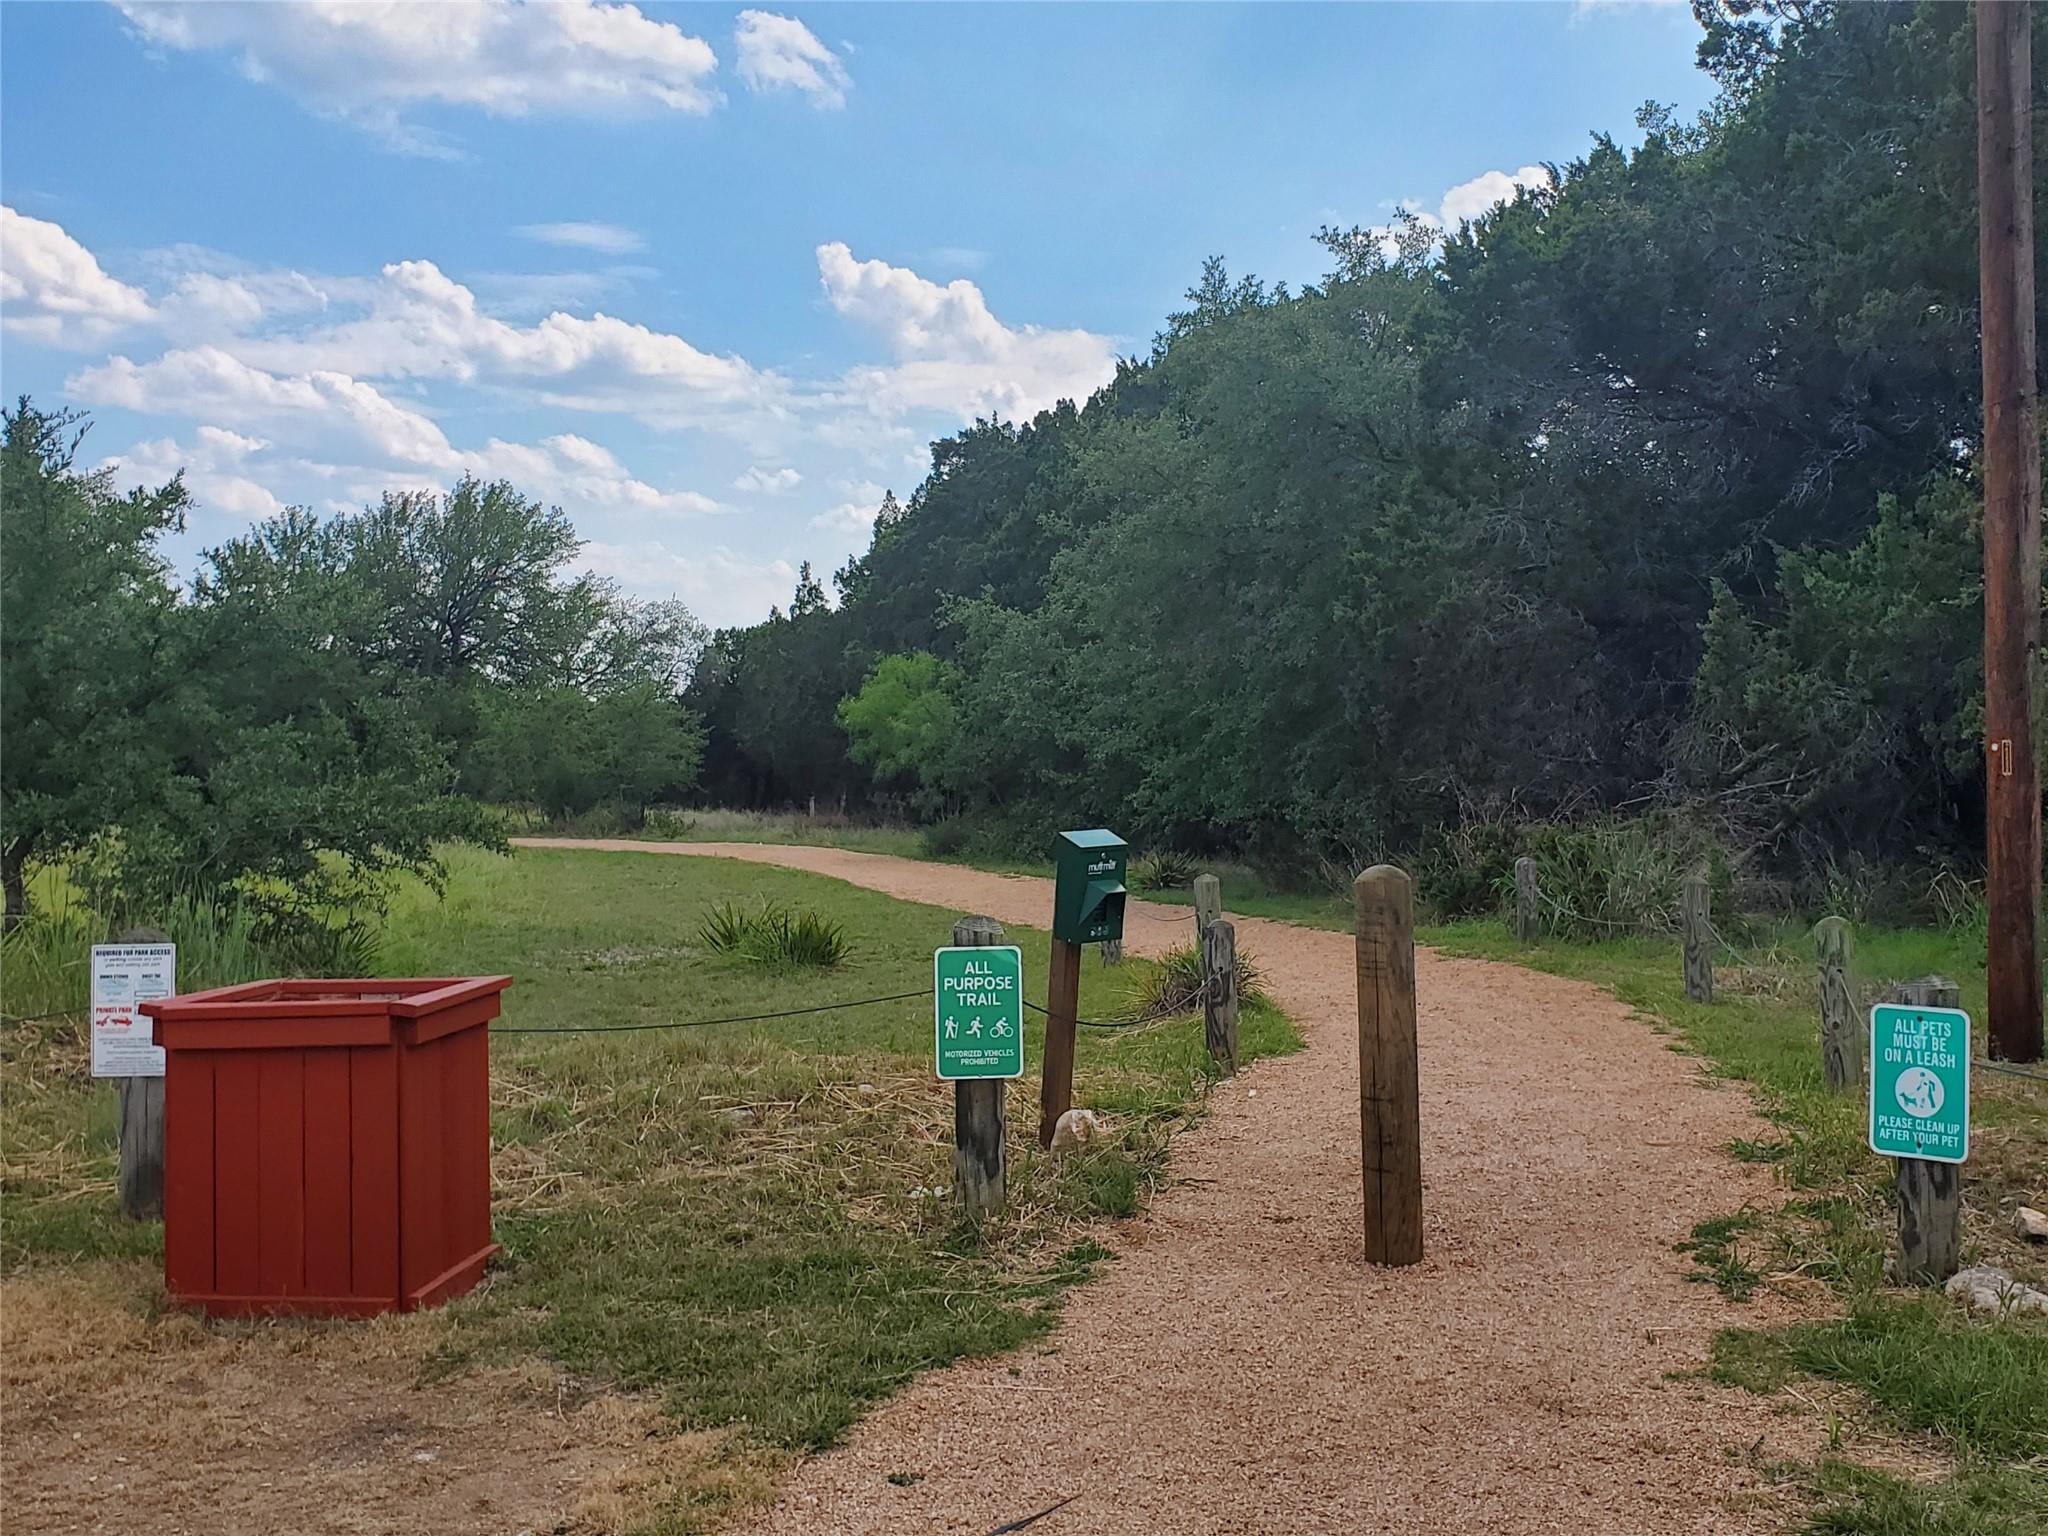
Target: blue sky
[709, 278]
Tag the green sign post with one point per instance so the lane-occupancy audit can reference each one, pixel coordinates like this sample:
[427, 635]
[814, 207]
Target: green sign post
[978, 1012]
[1920, 1082]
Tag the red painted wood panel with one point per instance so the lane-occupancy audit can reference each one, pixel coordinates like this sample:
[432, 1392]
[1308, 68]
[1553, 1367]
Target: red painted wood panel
[469, 1129]
[188, 1174]
[238, 1155]
[422, 1211]
[328, 1139]
[373, 1173]
[281, 1185]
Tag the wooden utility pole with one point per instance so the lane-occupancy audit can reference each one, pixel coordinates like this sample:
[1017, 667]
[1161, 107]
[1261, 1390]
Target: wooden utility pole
[2012, 527]
[1389, 1085]
[1062, 1011]
[979, 1172]
[1219, 994]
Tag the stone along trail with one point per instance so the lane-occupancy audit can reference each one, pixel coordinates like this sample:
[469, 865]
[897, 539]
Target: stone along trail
[1238, 1368]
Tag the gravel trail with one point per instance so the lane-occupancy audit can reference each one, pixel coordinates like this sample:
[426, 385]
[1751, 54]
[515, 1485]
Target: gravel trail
[1239, 1369]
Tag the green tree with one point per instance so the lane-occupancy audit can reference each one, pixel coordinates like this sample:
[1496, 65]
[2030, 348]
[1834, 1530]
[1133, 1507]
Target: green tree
[87, 607]
[903, 722]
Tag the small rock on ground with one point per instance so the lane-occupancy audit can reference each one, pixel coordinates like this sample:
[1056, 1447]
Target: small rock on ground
[2030, 1224]
[1986, 1288]
[1076, 1128]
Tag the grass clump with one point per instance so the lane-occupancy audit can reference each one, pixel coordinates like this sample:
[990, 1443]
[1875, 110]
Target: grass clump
[1174, 984]
[771, 933]
[1163, 869]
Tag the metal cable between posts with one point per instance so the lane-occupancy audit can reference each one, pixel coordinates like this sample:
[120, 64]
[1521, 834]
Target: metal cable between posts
[37, 1018]
[738, 1018]
[2008, 1069]
[1132, 1023]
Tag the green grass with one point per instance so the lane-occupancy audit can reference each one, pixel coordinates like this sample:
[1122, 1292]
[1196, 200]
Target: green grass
[1978, 1385]
[745, 1218]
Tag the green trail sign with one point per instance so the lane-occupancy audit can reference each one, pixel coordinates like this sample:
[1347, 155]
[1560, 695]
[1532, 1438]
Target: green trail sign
[978, 1012]
[1920, 1082]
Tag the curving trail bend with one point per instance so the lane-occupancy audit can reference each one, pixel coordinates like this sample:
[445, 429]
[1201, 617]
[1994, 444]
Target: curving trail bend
[1239, 1369]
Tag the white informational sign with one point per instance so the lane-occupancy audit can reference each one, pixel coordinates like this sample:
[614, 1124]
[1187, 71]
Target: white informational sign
[124, 976]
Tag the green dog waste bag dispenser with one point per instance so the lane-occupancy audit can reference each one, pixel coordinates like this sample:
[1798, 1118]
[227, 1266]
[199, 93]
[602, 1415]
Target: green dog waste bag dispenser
[1088, 887]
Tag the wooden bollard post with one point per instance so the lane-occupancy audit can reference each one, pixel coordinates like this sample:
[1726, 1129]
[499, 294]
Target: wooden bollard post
[1219, 994]
[1841, 1041]
[1930, 1194]
[1527, 924]
[1062, 1010]
[140, 1182]
[979, 1125]
[1208, 905]
[1389, 1084]
[1696, 929]
[1113, 952]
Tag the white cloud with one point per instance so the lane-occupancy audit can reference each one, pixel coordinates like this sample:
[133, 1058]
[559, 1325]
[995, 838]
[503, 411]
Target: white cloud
[781, 53]
[953, 354]
[612, 239]
[369, 63]
[53, 291]
[767, 482]
[211, 464]
[856, 516]
[422, 324]
[1469, 199]
[323, 406]
[720, 587]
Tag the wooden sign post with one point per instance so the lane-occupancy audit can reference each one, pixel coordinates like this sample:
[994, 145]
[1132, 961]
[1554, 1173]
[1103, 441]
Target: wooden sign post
[1389, 1082]
[1930, 1189]
[979, 1125]
[1062, 1010]
[1208, 904]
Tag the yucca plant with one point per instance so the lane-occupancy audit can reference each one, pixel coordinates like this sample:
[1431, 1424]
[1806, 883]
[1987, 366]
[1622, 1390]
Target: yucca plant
[725, 927]
[774, 934]
[1163, 869]
[1173, 984]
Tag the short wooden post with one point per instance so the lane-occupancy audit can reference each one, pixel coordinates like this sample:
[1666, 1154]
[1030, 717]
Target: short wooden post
[1841, 1041]
[1112, 952]
[1208, 904]
[1062, 1009]
[1527, 924]
[1930, 1194]
[979, 1170]
[1697, 929]
[1219, 994]
[1389, 1086]
[140, 1182]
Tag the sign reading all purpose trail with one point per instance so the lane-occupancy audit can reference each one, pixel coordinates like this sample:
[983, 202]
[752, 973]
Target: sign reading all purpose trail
[1920, 1082]
[978, 1012]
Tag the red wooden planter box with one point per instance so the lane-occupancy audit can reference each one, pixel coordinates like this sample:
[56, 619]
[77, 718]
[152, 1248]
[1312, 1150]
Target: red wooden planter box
[327, 1144]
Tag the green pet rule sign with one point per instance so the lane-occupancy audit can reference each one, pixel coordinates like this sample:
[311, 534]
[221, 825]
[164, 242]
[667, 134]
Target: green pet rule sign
[1920, 1082]
[978, 1012]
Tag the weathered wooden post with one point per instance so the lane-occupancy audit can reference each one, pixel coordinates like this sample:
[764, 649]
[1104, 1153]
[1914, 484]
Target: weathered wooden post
[141, 1179]
[1062, 1015]
[1219, 994]
[980, 1171]
[1113, 952]
[1208, 904]
[1841, 1039]
[1930, 1193]
[1697, 930]
[1527, 924]
[1389, 1084]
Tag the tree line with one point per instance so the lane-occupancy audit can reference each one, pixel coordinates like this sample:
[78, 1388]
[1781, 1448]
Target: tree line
[320, 706]
[1654, 488]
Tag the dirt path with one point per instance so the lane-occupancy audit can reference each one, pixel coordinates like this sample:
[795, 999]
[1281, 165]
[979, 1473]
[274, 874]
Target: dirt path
[1239, 1369]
